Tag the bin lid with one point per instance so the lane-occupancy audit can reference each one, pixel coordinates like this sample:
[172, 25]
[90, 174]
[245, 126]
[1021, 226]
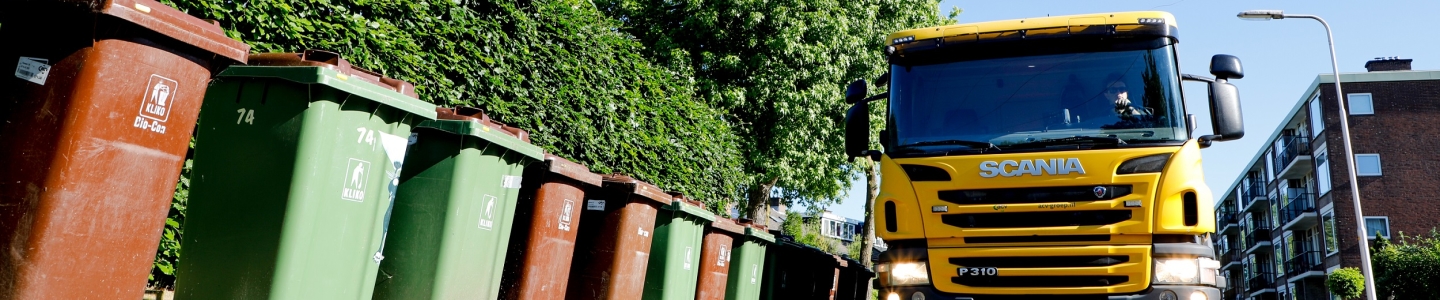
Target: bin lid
[690, 207]
[759, 232]
[727, 226]
[859, 267]
[328, 68]
[162, 19]
[476, 124]
[636, 187]
[578, 172]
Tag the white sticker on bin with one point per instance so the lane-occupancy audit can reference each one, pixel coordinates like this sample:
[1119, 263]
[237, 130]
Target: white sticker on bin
[33, 69]
[594, 204]
[565, 214]
[510, 181]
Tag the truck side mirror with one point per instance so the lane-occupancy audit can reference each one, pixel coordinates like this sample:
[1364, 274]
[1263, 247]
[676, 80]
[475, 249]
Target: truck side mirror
[856, 91]
[857, 127]
[1225, 116]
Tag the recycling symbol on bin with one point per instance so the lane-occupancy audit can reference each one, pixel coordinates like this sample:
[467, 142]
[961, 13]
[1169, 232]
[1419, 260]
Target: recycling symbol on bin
[156, 103]
[355, 175]
[487, 217]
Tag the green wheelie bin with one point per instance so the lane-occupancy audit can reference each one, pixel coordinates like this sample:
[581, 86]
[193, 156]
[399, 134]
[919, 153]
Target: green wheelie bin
[674, 267]
[297, 159]
[854, 282]
[747, 265]
[453, 209]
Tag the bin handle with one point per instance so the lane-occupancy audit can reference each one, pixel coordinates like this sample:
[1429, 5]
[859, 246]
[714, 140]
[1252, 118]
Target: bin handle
[478, 115]
[335, 59]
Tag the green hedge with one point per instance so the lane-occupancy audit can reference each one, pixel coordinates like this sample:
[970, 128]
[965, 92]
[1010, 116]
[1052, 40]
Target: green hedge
[1409, 269]
[557, 68]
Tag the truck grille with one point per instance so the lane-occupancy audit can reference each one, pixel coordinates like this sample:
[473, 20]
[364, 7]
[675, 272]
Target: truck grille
[1089, 269]
[1035, 195]
[1041, 262]
[1040, 281]
[1037, 219]
[1038, 239]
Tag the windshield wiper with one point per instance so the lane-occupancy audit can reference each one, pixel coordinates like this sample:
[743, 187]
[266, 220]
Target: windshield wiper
[1078, 142]
[977, 145]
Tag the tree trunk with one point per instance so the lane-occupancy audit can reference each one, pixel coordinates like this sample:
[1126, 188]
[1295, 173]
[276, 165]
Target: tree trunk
[867, 245]
[759, 206]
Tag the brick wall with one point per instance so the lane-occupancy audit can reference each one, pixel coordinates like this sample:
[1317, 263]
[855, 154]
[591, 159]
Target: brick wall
[1405, 131]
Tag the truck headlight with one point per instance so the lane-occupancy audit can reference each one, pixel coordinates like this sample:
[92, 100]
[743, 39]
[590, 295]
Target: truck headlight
[908, 273]
[1177, 271]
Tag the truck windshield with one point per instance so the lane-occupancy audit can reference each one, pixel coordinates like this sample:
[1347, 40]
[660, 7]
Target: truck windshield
[1088, 99]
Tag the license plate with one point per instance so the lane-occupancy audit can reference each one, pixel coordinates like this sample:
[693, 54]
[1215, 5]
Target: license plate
[979, 271]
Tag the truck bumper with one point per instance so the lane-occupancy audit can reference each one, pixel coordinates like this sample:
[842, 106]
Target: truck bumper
[1182, 292]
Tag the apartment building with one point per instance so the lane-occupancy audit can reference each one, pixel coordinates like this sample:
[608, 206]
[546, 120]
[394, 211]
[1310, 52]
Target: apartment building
[1288, 219]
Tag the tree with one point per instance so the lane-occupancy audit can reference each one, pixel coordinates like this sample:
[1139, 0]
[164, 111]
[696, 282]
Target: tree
[1346, 283]
[1409, 269]
[778, 69]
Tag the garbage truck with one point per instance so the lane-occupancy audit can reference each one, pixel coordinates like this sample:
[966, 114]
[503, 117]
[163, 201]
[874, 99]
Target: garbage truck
[1047, 157]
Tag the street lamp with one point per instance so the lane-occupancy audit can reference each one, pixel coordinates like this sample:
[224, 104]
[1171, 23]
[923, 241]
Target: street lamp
[1265, 15]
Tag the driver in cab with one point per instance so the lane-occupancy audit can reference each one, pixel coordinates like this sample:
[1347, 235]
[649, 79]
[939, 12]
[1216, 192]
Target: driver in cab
[1119, 94]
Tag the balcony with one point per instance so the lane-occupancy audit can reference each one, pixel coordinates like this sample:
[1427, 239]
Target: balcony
[1229, 222]
[1306, 294]
[1234, 259]
[1260, 283]
[1300, 213]
[1236, 287]
[1252, 196]
[1295, 157]
[1307, 264]
[1258, 239]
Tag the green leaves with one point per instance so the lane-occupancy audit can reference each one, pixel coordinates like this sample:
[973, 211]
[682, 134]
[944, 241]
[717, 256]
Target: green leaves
[546, 66]
[1346, 283]
[777, 69]
[1409, 269]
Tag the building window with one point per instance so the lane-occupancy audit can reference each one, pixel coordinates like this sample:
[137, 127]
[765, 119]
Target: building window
[1279, 264]
[1331, 244]
[1322, 170]
[1377, 226]
[1317, 117]
[1361, 104]
[1269, 155]
[1290, 249]
[1367, 164]
[837, 229]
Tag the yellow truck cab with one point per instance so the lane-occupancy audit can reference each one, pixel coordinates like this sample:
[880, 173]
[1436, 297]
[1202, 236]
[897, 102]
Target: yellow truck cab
[1043, 158]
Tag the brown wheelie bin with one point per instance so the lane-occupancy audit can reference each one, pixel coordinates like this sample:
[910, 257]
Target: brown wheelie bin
[719, 241]
[547, 218]
[94, 126]
[613, 246]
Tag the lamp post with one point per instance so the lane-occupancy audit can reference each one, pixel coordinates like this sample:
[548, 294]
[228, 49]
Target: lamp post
[1265, 15]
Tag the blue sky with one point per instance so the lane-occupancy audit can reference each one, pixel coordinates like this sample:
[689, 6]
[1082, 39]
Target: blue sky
[1281, 57]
